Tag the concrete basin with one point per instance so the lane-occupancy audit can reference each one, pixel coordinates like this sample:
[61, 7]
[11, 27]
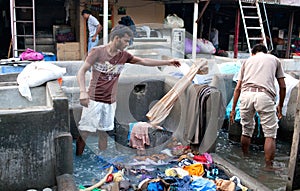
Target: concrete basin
[35, 140]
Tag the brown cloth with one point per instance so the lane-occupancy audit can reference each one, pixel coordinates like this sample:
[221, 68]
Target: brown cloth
[205, 116]
[196, 120]
[162, 108]
[225, 185]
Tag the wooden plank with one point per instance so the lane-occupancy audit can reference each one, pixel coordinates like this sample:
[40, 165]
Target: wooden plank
[68, 46]
[292, 182]
[65, 55]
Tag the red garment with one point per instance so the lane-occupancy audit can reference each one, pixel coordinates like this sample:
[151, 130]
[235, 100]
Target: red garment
[200, 158]
[105, 73]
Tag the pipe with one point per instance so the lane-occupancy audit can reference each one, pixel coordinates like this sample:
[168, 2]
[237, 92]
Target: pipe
[105, 22]
[267, 20]
[236, 34]
[195, 30]
[202, 12]
[291, 23]
[13, 27]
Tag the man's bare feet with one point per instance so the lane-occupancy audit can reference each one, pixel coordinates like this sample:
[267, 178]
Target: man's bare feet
[270, 168]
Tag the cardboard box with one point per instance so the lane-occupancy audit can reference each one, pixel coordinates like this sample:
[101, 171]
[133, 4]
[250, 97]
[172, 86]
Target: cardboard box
[65, 56]
[68, 51]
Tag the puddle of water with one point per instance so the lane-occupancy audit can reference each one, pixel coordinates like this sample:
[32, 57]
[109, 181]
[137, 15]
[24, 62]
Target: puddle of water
[90, 167]
[253, 165]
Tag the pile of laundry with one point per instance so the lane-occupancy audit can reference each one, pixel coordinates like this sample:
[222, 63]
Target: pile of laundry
[178, 168]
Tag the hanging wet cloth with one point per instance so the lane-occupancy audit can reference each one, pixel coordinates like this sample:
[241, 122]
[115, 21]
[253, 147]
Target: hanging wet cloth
[163, 107]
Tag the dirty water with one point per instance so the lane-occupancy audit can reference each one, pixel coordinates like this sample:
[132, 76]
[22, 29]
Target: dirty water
[254, 164]
[90, 167]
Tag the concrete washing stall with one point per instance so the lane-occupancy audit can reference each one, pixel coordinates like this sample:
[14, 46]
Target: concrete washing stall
[35, 140]
[139, 89]
[139, 92]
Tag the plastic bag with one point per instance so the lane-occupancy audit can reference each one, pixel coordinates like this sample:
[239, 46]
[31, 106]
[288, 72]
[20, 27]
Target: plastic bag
[36, 74]
[174, 21]
[206, 46]
[189, 46]
[30, 54]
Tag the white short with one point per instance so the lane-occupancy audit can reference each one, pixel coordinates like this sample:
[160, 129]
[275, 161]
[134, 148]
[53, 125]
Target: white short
[266, 108]
[97, 116]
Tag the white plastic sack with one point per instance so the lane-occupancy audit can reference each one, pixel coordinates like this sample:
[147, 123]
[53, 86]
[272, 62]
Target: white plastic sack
[174, 21]
[290, 83]
[36, 74]
[206, 46]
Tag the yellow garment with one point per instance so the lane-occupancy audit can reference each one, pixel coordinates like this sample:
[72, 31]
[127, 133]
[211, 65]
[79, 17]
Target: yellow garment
[195, 169]
[118, 176]
[171, 172]
[176, 172]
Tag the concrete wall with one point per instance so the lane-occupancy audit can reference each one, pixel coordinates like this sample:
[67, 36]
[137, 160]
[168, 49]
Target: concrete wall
[70, 88]
[35, 143]
[141, 11]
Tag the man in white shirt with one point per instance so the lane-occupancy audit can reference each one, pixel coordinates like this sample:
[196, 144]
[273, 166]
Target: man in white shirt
[214, 37]
[94, 28]
[256, 90]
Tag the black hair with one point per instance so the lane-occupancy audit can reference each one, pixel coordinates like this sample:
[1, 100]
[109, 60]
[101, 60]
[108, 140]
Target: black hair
[120, 31]
[259, 48]
[86, 11]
